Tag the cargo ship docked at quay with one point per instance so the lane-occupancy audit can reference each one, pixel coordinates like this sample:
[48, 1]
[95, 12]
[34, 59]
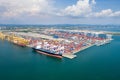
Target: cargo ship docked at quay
[47, 52]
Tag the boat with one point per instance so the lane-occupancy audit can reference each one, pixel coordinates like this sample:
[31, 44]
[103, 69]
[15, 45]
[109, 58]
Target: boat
[22, 45]
[19, 44]
[47, 52]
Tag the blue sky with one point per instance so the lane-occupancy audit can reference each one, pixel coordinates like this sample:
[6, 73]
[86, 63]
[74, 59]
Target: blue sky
[100, 4]
[59, 12]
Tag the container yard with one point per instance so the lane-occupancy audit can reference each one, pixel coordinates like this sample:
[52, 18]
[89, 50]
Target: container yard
[57, 43]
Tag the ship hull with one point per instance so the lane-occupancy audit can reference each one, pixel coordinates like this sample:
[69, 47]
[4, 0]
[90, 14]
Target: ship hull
[47, 53]
[22, 45]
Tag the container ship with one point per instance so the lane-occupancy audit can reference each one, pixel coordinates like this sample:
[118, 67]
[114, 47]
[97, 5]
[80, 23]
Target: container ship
[47, 52]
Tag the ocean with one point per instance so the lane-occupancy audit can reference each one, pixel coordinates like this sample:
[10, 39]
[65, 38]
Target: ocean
[95, 63]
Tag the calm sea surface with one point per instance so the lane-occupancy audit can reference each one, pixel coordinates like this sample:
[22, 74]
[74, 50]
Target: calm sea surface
[95, 63]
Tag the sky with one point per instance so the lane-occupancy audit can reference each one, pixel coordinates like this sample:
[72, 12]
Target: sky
[59, 12]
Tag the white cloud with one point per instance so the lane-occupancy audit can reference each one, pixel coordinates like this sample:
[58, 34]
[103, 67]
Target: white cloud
[104, 13]
[93, 2]
[84, 8]
[81, 8]
[115, 14]
[43, 8]
[29, 7]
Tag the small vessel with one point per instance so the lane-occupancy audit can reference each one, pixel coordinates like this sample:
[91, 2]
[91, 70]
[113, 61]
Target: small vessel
[22, 45]
[19, 44]
[47, 52]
